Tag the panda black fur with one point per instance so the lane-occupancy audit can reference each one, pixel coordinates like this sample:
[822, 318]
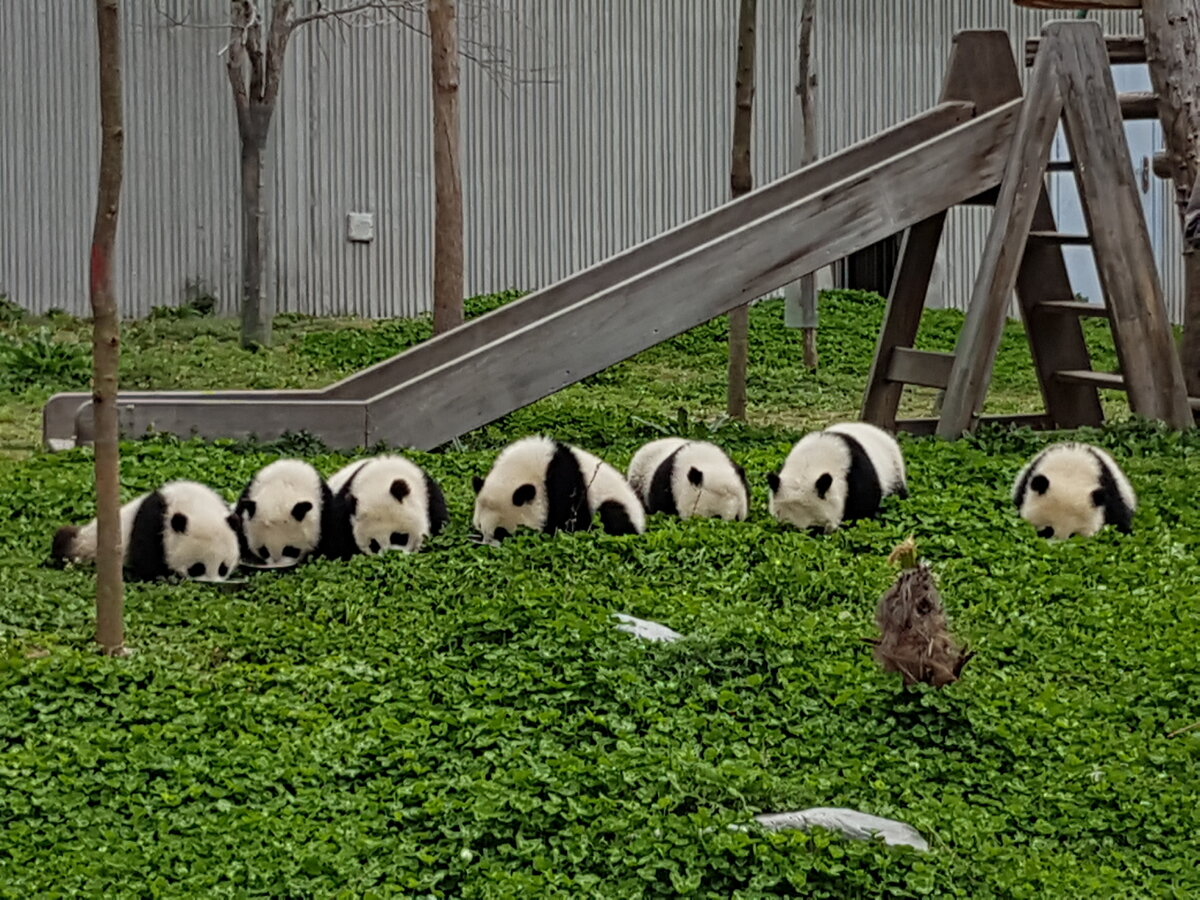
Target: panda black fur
[548, 486]
[837, 475]
[1070, 489]
[184, 529]
[287, 514]
[384, 503]
[689, 478]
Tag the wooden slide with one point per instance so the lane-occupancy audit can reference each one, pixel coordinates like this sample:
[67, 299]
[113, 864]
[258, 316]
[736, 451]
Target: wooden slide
[532, 347]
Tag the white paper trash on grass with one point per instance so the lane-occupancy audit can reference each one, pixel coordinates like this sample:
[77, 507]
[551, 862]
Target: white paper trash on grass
[858, 825]
[644, 628]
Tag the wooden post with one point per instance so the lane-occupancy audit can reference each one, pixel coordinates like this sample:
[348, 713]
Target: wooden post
[741, 181]
[800, 298]
[106, 338]
[448, 206]
[1172, 29]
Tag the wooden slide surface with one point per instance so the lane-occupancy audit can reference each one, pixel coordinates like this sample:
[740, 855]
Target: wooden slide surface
[532, 347]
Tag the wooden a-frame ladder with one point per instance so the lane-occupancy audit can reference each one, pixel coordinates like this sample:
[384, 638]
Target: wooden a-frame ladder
[1071, 81]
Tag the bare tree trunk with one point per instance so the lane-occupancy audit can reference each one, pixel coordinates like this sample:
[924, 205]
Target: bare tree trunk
[448, 215]
[106, 338]
[741, 181]
[258, 309]
[805, 82]
[1173, 52]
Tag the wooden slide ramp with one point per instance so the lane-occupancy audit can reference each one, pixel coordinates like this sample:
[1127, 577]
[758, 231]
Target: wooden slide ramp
[532, 347]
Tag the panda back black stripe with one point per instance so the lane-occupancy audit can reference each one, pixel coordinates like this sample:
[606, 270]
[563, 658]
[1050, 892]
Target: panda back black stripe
[330, 523]
[146, 556]
[1116, 510]
[439, 515]
[661, 497]
[864, 493]
[566, 494]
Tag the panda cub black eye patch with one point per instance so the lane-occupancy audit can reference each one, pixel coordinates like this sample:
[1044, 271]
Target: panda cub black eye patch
[264, 552]
[223, 570]
[374, 545]
[197, 569]
[1046, 532]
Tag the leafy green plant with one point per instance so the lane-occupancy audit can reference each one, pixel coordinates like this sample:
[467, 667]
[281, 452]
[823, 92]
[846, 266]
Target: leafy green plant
[10, 310]
[38, 359]
[467, 722]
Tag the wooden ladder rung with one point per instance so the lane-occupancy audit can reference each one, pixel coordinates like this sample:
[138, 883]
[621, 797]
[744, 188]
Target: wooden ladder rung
[1060, 165]
[1075, 308]
[1107, 380]
[1036, 421]
[1057, 237]
[922, 367]
[1138, 105]
[1122, 48]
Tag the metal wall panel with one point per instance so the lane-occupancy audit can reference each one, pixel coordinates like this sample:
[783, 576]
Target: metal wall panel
[608, 123]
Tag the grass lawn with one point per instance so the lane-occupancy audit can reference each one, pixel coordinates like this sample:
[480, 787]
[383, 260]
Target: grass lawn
[468, 723]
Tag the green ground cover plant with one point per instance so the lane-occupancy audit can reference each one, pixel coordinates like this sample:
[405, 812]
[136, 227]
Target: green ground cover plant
[467, 722]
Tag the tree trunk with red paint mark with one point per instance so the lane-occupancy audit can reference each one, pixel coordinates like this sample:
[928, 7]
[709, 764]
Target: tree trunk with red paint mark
[741, 181]
[106, 338]
[447, 169]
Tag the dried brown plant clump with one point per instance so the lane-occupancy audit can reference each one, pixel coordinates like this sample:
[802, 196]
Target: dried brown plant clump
[915, 637]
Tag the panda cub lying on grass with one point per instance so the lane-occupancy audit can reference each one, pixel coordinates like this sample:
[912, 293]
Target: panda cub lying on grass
[689, 478]
[542, 484]
[1070, 489]
[836, 476]
[184, 528]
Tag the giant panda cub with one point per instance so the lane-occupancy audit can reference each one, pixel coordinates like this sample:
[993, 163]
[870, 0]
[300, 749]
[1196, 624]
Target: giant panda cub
[184, 528]
[836, 476]
[384, 503]
[287, 515]
[1074, 489]
[548, 486]
[689, 478]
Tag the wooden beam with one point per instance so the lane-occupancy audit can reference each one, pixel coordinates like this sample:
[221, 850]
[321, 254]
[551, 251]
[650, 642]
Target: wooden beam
[1112, 207]
[1037, 421]
[924, 367]
[341, 423]
[1087, 5]
[1021, 190]
[1106, 380]
[1122, 49]
[1138, 105]
[1074, 308]
[612, 325]
[1057, 237]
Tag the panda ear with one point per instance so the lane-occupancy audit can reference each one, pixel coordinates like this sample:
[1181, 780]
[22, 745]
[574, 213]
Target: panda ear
[773, 482]
[1040, 484]
[477, 483]
[1099, 497]
[235, 522]
[350, 504]
[248, 507]
[824, 483]
[301, 509]
[179, 523]
[695, 476]
[524, 494]
[400, 489]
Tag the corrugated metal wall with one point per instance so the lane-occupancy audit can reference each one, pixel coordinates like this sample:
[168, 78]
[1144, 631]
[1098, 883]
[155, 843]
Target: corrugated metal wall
[610, 123]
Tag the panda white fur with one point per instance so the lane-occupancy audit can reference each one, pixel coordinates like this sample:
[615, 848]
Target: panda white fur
[384, 503]
[1073, 489]
[548, 486]
[184, 528]
[287, 514]
[689, 478]
[837, 475]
